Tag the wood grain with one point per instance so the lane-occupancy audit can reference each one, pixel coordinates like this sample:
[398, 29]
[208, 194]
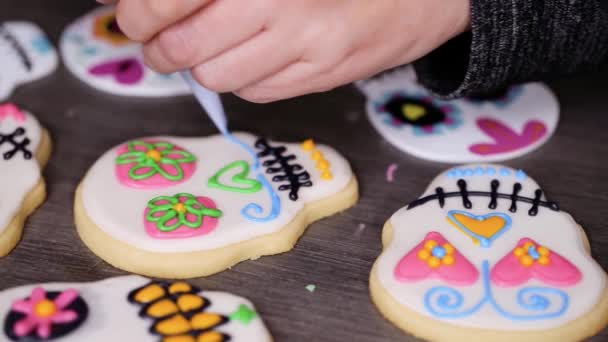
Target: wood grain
[335, 254]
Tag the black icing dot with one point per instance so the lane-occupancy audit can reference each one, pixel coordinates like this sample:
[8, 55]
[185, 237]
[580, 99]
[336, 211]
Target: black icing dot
[414, 111]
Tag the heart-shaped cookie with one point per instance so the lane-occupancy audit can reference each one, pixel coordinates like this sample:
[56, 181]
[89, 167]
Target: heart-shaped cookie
[249, 185]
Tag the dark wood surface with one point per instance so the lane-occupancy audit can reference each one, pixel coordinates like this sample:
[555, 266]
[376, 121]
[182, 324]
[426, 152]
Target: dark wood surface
[335, 254]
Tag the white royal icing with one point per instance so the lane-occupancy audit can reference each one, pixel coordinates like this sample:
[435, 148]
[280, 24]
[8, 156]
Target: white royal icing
[554, 229]
[83, 50]
[111, 317]
[26, 55]
[530, 105]
[19, 175]
[118, 210]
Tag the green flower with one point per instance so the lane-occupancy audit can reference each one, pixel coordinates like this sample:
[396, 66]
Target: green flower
[152, 158]
[173, 210]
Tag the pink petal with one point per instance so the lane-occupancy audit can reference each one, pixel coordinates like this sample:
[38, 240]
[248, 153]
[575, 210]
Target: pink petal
[37, 295]
[64, 317]
[44, 329]
[25, 326]
[23, 306]
[66, 298]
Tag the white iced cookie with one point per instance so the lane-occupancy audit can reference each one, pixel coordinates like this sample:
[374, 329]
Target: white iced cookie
[24, 147]
[503, 126]
[26, 55]
[99, 54]
[129, 308]
[482, 255]
[184, 207]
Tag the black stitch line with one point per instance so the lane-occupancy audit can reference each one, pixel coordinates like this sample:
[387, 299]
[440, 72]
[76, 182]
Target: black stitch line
[440, 196]
[516, 190]
[494, 187]
[8, 37]
[17, 146]
[462, 184]
[285, 171]
[534, 210]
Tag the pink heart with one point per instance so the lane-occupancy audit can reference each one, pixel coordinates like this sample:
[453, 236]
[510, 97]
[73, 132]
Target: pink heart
[125, 71]
[506, 139]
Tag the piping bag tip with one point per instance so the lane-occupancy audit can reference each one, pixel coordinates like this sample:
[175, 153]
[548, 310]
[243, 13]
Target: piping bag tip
[209, 100]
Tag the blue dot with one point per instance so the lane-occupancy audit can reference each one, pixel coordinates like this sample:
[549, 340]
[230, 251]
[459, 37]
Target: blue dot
[453, 173]
[479, 171]
[490, 171]
[438, 252]
[533, 253]
[468, 172]
[505, 172]
[520, 174]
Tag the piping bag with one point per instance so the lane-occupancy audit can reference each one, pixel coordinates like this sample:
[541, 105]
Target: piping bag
[210, 101]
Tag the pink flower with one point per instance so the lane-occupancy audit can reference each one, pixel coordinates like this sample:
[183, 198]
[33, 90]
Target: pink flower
[41, 313]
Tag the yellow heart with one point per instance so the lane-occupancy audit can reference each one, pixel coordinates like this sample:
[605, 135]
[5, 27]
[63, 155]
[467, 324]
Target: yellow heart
[413, 112]
[486, 227]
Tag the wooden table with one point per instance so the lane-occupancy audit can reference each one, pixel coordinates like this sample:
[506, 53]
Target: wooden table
[335, 254]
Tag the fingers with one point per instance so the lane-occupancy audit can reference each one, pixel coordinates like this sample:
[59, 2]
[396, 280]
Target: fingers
[141, 20]
[250, 62]
[208, 33]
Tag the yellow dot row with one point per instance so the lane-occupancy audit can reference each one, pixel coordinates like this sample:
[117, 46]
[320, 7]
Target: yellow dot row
[322, 164]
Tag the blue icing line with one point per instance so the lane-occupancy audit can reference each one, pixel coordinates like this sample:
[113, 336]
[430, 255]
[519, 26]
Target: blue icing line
[257, 209]
[42, 45]
[479, 171]
[483, 241]
[533, 298]
[468, 172]
[247, 148]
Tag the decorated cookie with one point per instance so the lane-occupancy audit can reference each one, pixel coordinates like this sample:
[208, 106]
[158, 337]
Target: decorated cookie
[128, 308]
[24, 148]
[185, 207]
[501, 126]
[98, 53]
[483, 255]
[25, 55]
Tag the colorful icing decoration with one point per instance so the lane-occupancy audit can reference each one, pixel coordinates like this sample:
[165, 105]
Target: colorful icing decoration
[45, 315]
[179, 314]
[252, 210]
[482, 229]
[531, 260]
[97, 52]
[322, 164]
[150, 164]
[248, 185]
[527, 274]
[436, 257]
[411, 118]
[124, 71]
[25, 55]
[283, 170]
[505, 138]
[423, 113]
[9, 110]
[180, 216]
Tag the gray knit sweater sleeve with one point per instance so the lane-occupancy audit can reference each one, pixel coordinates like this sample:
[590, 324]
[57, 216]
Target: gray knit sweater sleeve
[518, 40]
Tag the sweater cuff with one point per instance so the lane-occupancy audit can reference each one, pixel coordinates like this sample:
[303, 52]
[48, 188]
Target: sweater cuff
[514, 41]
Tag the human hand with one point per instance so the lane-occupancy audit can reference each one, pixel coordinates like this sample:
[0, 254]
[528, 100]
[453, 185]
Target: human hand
[267, 50]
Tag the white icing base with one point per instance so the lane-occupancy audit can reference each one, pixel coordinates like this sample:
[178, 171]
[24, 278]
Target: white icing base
[19, 176]
[81, 50]
[35, 45]
[536, 102]
[113, 318]
[556, 230]
[118, 210]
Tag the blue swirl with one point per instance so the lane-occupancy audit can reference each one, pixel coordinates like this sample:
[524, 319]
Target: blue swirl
[446, 302]
[257, 209]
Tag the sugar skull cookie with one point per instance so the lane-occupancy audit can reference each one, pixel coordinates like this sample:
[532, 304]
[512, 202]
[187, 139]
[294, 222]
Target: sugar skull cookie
[501, 126]
[129, 308]
[26, 55]
[24, 148]
[96, 51]
[184, 207]
[483, 255]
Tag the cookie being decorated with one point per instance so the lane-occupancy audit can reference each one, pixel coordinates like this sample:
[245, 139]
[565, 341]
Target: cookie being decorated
[26, 55]
[129, 308]
[96, 51]
[24, 149]
[463, 130]
[185, 207]
[483, 255]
